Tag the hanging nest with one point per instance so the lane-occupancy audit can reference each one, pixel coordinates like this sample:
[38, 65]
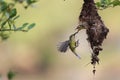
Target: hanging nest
[90, 20]
[95, 29]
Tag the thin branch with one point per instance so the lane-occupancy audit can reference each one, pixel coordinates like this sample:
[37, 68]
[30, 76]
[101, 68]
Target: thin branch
[13, 30]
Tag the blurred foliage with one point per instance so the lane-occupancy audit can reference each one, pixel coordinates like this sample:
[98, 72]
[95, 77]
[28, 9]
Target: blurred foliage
[28, 2]
[10, 75]
[47, 59]
[103, 4]
[8, 16]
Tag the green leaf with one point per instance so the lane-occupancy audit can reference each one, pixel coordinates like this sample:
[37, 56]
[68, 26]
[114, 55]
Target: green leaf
[30, 1]
[102, 1]
[12, 13]
[115, 3]
[20, 1]
[2, 25]
[31, 26]
[16, 17]
[4, 36]
[23, 26]
[10, 75]
[108, 2]
[3, 6]
[98, 4]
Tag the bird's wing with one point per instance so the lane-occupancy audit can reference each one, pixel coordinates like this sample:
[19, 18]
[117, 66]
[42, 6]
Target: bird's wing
[63, 47]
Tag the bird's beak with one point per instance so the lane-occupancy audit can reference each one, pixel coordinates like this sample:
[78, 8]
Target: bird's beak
[78, 27]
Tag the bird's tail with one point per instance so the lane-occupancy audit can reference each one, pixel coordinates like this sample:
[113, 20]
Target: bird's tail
[77, 55]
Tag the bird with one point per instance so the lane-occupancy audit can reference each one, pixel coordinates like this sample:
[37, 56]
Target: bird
[73, 44]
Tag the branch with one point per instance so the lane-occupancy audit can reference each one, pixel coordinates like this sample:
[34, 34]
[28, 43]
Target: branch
[13, 30]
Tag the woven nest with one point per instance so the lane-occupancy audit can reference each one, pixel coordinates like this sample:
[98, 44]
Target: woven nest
[95, 28]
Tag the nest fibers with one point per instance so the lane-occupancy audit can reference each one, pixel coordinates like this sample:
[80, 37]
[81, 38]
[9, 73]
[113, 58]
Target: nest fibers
[95, 28]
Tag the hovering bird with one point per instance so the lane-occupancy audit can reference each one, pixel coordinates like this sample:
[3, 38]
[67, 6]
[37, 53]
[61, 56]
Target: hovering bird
[72, 44]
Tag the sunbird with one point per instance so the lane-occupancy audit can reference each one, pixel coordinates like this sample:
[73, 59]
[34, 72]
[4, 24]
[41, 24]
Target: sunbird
[71, 43]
